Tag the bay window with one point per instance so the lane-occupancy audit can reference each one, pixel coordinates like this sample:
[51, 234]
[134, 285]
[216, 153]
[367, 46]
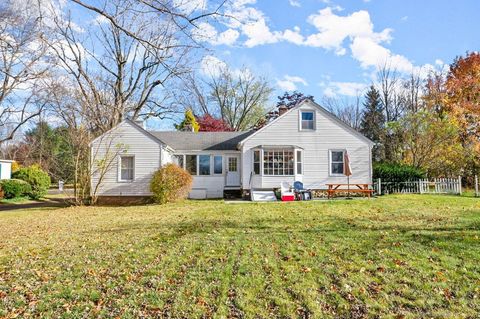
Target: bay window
[299, 162]
[278, 162]
[256, 162]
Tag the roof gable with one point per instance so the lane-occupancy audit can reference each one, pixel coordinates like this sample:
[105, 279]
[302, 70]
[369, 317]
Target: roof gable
[325, 112]
[135, 126]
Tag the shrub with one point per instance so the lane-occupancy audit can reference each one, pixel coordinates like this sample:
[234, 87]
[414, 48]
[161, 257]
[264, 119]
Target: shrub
[391, 172]
[170, 183]
[13, 188]
[37, 178]
[2, 194]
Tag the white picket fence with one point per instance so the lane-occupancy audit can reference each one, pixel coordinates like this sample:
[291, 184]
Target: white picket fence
[422, 186]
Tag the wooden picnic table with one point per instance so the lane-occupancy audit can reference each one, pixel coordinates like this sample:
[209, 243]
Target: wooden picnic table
[354, 188]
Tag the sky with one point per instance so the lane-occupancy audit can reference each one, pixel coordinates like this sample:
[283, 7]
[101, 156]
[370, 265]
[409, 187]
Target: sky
[332, 47]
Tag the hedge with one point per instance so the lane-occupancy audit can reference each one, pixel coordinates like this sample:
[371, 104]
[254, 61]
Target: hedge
[37, 178]
[391, 172]
[13, 188]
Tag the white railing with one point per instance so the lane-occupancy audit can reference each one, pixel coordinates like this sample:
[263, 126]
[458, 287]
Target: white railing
[422, 186]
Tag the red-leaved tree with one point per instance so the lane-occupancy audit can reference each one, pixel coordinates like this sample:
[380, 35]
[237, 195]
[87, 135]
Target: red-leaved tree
[209, 123]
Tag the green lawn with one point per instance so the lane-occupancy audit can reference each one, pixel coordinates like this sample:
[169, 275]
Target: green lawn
[397, 256]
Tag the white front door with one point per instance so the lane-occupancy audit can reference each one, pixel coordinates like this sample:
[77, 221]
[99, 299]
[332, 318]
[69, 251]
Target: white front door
[233, 170]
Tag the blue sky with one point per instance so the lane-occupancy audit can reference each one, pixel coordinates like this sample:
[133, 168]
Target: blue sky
[332, 48]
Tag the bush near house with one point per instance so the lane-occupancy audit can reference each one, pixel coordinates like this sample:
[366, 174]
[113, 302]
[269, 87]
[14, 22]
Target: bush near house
[37, 178]
[13, 188]
[392, 172]
[170, 184]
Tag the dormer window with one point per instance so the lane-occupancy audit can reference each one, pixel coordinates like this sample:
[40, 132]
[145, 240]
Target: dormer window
[307, 122]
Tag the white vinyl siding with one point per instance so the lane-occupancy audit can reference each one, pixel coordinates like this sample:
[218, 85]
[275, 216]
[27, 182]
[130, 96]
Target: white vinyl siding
[315, 146]
[147, 152]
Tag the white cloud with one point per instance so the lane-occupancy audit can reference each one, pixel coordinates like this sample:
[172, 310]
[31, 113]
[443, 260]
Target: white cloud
[294, 3]
[211, 66]
[259, 33]
[334, 29]
[207, 33]
[371, 54]
[289, 83]
[334, 89]
[293, 36]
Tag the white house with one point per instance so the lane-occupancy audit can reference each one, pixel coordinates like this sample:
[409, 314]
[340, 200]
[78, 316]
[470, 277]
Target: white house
[5, 169]
[305, 143]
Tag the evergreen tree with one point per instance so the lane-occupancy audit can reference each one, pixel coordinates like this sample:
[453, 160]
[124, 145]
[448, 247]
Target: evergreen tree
[189, 123]
[373, 122]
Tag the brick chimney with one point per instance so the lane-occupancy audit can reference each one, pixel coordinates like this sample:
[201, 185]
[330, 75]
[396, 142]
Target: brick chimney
[282, 109]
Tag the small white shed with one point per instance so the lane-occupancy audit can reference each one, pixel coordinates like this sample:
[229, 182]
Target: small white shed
[5, 169]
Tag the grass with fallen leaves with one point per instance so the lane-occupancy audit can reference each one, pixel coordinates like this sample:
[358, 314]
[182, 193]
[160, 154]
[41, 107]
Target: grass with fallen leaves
[399, 256]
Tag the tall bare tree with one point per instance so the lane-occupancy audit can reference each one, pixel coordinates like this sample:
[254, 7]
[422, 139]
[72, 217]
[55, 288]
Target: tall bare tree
[23, 68]
[347, 110]
[239, 97]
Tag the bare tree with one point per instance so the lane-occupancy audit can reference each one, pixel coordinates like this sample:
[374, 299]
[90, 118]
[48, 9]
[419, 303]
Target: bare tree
[389, 85]
[347, 110]
[239, 97]
[23, 69]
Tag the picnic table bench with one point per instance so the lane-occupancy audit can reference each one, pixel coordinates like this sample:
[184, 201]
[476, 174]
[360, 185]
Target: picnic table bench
[354, 188]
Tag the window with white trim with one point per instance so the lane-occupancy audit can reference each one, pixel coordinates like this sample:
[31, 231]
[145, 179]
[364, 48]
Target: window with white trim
[256, 162]
[299, 162]
[178, 159]
[204, 164]
[127, 168]
[191, 164]
[307, 120]
[217, 164]
[278, 162]
[232, 164]
[336, 162]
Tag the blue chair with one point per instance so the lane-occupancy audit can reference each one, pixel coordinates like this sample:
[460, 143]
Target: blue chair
[300, 192]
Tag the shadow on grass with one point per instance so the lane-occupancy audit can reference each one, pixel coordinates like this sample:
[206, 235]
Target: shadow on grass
[424, 235]
[46, 203]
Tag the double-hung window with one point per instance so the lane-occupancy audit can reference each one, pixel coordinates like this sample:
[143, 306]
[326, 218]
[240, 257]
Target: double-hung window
[256, 162]
[307, 120]
[127, 168]
[336, 162]
[299, 162]
[278, 162]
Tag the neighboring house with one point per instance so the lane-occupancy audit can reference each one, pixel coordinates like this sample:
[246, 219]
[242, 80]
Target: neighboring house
[305, 143]
[5, 169]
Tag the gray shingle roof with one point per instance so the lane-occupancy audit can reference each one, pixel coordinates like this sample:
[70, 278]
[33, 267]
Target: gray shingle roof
[201, 141]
